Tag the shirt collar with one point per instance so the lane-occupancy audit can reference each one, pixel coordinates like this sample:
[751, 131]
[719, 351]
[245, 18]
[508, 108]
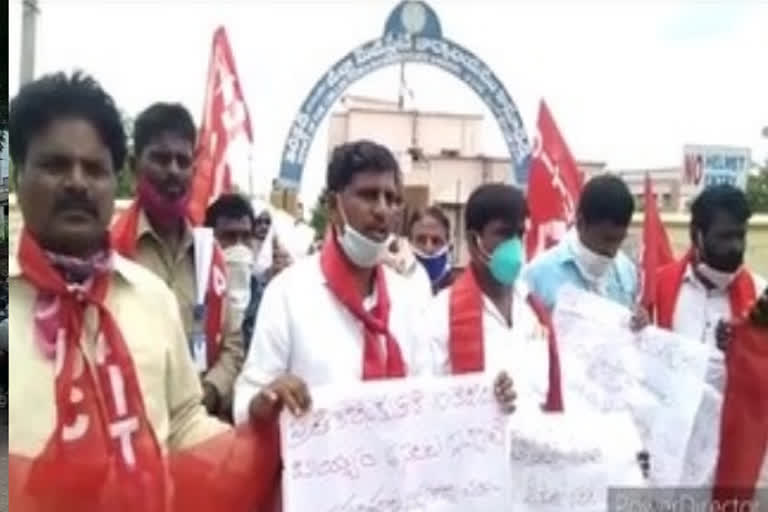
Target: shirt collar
[145, 230]
[122, 267]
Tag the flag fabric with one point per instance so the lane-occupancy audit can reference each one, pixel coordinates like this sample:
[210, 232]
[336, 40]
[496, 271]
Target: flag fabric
[225, 118]
[656, 250]
[554, 184]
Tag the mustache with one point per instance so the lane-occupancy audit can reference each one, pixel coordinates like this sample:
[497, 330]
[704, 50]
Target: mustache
[75, 202]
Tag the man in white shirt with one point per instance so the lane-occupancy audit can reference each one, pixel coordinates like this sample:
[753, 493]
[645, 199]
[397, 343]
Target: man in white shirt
[340, 315]
[702, 293]
[488, 321]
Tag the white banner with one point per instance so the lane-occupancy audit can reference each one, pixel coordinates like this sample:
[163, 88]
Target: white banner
[568, 461]
[656, 375]
[435, 445]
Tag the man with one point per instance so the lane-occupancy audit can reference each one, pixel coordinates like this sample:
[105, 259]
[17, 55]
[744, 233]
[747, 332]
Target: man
[105, 411]
[401, 258]
[700, 295]
[155, 233]
[488, 321]
[339, 316]
[590, 257]
[429, 234]
[235, 227]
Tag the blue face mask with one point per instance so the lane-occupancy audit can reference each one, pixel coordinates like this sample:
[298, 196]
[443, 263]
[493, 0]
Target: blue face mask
[436, 265]
[506, 260]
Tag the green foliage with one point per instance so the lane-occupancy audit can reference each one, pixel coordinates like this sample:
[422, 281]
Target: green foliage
[319, 219]
[757, 191]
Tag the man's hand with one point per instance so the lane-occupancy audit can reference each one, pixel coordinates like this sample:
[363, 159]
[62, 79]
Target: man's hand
[287, 390]
[640, 319]
[723, 333]
[210, 398]
[504, 391]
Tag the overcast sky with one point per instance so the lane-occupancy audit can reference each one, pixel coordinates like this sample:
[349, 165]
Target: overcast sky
[629, 82]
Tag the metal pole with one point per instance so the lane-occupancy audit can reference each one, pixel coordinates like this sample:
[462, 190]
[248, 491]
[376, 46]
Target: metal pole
[28, 40]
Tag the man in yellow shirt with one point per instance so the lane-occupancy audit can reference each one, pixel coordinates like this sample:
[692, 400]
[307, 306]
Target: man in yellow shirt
[105, 410]
[154, 232]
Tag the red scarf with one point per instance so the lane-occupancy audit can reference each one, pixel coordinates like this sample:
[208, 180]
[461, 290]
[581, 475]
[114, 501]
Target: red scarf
[741, 292]
[744, 423]
[102, 433]
[124, 239]
[339, 272]
[466, 335]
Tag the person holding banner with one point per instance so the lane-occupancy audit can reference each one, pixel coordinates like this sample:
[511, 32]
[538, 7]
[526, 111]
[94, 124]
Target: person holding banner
[340, 315]
[105, 408]
[590, 257]
[701, 296]
[488, 320]
[155, 232]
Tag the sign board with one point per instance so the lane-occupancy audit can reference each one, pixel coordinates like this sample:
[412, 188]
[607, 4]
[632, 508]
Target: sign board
[412, 34]
[403, 444]
[704, 166]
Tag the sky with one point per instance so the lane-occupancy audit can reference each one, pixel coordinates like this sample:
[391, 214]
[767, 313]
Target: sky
[629, 82]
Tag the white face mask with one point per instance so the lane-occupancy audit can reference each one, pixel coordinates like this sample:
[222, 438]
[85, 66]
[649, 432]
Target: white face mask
[361, 250]
[239, 261]
[721, 280]
[593, 266]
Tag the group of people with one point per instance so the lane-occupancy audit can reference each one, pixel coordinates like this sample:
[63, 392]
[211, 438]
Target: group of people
[116, 366]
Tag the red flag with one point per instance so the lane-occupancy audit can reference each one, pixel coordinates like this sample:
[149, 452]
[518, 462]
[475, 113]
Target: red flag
[657, 251]
[225, 118]
[554, 184]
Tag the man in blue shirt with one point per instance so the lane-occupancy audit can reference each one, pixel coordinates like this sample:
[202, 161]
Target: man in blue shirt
[589, 256]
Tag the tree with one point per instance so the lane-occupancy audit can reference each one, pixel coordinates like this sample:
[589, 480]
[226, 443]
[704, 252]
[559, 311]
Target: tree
[757, 191]
[319, 219]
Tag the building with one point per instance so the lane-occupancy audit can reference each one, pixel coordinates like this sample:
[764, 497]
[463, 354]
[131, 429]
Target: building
[440, 153]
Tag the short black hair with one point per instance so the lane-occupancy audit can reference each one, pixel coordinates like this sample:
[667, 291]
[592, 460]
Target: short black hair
[352, 158]
[161, 118]
[606, 198]
[433, 211]
[494, 201]
[61, 96]
[719, 198]
[229, 206]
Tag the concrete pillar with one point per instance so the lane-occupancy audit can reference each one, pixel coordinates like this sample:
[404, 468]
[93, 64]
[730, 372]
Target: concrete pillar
[28, 38]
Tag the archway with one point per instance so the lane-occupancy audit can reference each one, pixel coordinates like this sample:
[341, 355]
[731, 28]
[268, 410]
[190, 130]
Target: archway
[412, 34]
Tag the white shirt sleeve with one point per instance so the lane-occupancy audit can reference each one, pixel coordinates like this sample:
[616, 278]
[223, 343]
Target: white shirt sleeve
[269, 353]
[434, 333]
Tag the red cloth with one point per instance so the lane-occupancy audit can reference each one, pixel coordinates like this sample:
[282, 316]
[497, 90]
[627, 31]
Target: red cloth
[657, 251]
[465, 343]
[669, 278]
[225, 118]
[554, 186]
[339, 272]
[124, 238]
[99, 407]
[114, 463]
[744, 424]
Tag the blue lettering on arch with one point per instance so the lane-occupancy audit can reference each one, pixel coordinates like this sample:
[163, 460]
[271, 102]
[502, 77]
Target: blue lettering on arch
[394, 48]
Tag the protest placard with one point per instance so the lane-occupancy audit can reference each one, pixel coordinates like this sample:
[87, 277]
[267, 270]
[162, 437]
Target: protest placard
[569, 461]
[656, 375]
[399, 445]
